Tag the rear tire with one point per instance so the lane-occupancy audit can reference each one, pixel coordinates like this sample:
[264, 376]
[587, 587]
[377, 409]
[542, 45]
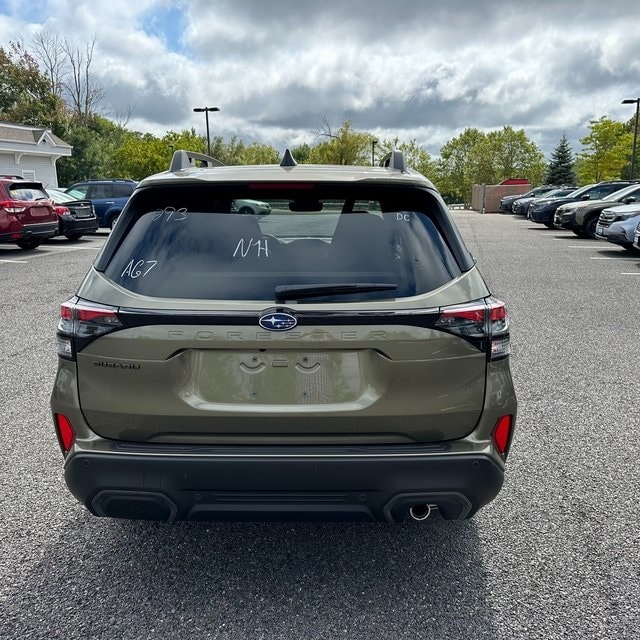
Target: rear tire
[580, 233]
[113, 220]
[73, 236]
[29, 243]
[246, 211]
[549, 225]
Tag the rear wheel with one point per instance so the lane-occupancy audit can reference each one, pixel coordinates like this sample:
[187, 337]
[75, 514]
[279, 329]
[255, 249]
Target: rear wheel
[29, 243]
[113, 220]
[246, 211]
[579, 233]
[549, 225]
[73, 236]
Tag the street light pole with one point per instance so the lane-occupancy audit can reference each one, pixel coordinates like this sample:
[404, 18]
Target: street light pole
[373, 152]
[206, 116]
[635, 101]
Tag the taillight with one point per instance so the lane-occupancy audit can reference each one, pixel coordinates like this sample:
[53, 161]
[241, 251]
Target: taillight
[498, 330]
[485, 324]
[10, 207]
[61, 211]
[66, 432]
[501, 434]
[80, 323]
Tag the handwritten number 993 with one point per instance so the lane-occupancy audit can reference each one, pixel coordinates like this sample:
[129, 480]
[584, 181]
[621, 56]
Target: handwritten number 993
[170, 213]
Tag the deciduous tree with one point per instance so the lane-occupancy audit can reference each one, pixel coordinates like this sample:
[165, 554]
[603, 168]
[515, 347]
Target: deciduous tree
[342, 146]
[94, 141]
[258, 153]
[25, 95]
[82, 93]
[455, 179]
[605, 151]
[506, 154]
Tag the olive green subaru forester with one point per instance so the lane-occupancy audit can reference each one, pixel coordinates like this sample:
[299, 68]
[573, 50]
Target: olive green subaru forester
[339, 358]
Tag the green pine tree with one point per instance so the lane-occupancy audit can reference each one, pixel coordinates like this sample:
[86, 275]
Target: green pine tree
[562, 168]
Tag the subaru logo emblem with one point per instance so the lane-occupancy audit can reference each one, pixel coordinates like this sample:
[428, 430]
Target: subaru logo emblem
[277, 321]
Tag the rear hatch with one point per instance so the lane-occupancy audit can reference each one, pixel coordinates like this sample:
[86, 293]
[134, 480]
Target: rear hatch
[31, 204]
[328, 321]
[80, 208]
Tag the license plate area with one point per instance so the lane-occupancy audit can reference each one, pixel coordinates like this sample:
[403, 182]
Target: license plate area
[280, 377]
[39, 212]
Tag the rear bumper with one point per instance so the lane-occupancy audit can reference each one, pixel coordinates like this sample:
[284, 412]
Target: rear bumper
[40, 230]
[70, 225]
[265, 483]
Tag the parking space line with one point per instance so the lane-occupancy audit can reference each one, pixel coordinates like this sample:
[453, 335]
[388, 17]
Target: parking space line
[630, 273]
[54, 248]
[15, 261]
[612, 258]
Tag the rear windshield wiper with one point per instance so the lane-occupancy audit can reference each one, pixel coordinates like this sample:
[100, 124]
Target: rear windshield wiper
[298, 291]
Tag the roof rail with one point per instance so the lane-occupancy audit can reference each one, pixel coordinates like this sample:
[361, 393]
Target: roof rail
[186, 159]
[394, 160]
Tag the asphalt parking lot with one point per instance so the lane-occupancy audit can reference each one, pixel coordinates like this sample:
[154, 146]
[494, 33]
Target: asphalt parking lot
[557, 555]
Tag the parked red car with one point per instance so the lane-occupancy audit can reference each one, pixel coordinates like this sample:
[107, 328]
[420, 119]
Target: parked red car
[27, 216]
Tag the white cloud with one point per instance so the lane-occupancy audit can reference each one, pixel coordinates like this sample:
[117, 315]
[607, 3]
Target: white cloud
[417, 69]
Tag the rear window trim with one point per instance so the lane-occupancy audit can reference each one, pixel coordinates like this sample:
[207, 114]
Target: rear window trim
[136, 317]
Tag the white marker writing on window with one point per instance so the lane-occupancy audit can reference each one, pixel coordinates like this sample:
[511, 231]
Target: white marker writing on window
[243, 248]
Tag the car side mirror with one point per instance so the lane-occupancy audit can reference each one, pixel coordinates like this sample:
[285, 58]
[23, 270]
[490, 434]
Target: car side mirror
[586, 196]
[629, 199]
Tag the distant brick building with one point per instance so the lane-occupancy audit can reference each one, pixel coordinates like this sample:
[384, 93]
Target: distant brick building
[486, 198]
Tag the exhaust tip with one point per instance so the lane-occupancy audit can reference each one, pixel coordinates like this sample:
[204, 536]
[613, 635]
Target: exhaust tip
[420, 512]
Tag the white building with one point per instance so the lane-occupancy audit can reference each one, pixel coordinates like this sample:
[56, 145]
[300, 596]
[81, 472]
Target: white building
[31, 152]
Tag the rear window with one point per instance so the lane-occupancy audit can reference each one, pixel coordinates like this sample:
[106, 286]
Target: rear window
[78, 193]
[306, 246]
[122, 190]
[27, 192]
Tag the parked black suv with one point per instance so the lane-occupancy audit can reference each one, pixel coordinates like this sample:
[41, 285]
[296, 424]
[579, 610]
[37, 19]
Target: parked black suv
[543, 210]
[521, 205]
[108, 197]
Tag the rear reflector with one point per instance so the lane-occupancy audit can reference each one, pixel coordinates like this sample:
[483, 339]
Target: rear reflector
[64, 346]
[66, 433]
[502, 434]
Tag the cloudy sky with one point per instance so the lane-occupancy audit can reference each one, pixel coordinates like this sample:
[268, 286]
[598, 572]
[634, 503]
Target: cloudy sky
[418, 69]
